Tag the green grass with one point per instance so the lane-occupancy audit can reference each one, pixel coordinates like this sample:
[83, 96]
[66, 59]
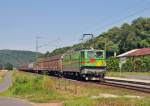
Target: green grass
[126, 74]
[107, 102]
[33, 88]
[38, 88]
[1, 80]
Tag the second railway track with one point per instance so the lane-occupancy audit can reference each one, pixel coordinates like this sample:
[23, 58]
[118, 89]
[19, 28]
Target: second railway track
[128, 85]
[137, 86]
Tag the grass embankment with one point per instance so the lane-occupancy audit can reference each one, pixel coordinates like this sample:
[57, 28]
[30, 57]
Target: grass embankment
[2, 74]
[30, 87]
[37, 88]
[126, 74]
[108, 102]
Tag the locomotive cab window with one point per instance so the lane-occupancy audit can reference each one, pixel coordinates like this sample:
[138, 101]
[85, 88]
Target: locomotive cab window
[99, 54]
[95, 54]
[90, 54]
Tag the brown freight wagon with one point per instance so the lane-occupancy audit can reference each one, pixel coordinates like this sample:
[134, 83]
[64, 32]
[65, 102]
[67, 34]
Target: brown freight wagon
[24, 67]
[51, 65]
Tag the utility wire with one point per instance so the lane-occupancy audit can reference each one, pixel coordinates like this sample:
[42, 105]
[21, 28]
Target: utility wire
[131, 15]
[114, 22]
[46, 44]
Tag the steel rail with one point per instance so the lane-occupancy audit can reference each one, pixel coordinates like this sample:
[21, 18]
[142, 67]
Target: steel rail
[132, 86]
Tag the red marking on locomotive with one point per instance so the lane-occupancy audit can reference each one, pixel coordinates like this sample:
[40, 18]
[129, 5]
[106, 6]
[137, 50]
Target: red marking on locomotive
[92, 60]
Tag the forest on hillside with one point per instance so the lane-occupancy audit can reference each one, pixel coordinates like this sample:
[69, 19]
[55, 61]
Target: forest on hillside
[16, 57]
[117, 39]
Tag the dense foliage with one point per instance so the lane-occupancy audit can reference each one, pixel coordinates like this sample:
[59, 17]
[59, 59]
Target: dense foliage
[128, 66]
[137, 64]
[8, 66]
[141, 64]
[1, 66]
[117, 39]
[16, 58]
[113, 64]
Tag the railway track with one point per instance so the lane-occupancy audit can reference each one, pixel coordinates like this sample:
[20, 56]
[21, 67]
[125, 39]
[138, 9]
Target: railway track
[138, 86]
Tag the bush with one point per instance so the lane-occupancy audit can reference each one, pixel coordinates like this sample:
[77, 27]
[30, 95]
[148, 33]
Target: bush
[113, 64]
[35, 88]
[8, 66]
[145, 63]
[128, 66]
[1, 66]
[137, 64]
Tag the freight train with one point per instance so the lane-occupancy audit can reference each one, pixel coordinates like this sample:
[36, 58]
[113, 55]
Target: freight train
[86, 64]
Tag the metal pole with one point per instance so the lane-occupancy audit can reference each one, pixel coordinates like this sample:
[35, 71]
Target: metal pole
[76, 88]
[36, 53]
[37, 47]
[120, 69]
[105, 48]
[92, 36]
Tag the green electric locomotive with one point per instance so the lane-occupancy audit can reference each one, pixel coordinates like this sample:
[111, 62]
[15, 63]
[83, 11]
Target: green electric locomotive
[85, 64]
[88, 64]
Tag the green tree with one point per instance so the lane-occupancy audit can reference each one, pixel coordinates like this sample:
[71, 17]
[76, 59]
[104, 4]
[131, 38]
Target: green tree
[112, 64]
[128, 66]
[118, 39]
[144, 43]
[1, 66]
[8, 66]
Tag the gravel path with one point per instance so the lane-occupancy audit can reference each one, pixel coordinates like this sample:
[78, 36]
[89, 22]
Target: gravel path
[142, 77]
[48, 104]
[7, 82]
[13, 102]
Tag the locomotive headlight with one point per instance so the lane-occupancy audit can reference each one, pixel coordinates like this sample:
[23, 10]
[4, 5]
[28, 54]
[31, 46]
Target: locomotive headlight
[99, 63]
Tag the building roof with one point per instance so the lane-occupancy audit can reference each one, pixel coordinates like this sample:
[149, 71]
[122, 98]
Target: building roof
[126, 53]
[136, 53]
[140, 52]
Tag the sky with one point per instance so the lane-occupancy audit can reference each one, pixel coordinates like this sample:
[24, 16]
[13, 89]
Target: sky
[60, 23]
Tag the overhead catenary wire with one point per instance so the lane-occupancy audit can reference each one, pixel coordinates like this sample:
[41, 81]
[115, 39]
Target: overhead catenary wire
[111, 23]
[46, 44]
[120, 19]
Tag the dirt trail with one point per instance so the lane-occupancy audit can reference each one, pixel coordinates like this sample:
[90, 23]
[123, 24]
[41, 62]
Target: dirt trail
[7, 82]
[48, 104]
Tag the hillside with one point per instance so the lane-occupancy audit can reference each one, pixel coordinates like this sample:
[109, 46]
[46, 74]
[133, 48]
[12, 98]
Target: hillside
[16, 57]
[117, 39]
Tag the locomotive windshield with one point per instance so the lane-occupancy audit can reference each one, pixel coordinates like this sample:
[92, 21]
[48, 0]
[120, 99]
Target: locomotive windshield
[95, 54]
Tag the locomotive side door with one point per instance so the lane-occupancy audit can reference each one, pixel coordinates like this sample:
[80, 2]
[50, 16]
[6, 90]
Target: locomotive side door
[82, 60]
